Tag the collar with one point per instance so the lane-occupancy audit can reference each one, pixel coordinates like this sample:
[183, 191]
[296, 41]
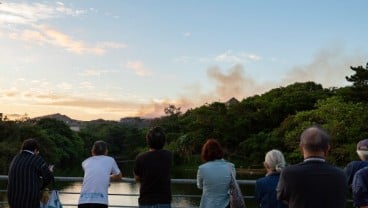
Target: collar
[28, 151]
[314, 159]
[273, 173]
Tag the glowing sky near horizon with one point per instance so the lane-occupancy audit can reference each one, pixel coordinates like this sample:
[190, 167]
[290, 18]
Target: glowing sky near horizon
[113, 59]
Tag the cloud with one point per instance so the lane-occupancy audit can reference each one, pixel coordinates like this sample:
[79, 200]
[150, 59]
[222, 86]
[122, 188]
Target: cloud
[236, 58]
[42, 35]
[32, 30]
[24, 13]
[139, 68]
[93, 72]
[8, 93]
[109, 44]
[187, 34]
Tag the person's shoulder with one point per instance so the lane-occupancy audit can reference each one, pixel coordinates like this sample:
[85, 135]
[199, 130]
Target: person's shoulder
[141, 155]
[204, 165]
[355, 163]
[165, 151]
[108, 158]
[296, 166]
[230, 163]
[362, 171]
[261, 180]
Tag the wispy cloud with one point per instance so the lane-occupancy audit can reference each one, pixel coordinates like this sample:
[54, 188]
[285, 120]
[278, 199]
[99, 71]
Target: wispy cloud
[25, 13]
[236, 58]
[139, 68]
[187, 34]
[33, 30]
[226, 57]
[93, 72]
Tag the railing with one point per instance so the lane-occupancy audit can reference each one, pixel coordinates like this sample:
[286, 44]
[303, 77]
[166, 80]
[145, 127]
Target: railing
[128, 180]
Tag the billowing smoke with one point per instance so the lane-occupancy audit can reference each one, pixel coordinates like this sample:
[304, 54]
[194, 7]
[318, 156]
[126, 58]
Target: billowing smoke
[329, 68]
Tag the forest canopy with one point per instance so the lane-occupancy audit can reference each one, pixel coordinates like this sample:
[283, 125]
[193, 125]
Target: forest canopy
[247, 129]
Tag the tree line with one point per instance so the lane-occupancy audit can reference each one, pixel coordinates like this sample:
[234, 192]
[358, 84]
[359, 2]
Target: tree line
[247, 129]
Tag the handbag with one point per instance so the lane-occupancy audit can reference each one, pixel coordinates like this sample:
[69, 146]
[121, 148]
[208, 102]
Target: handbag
[54, 200]
[236, 196]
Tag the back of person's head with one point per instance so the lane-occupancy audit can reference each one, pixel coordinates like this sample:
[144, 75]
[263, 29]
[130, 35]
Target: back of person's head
[314, 139]
[99, 148]
[212, 150]
[275, 160]
[156, 138]
[362, 149]
[30, 144]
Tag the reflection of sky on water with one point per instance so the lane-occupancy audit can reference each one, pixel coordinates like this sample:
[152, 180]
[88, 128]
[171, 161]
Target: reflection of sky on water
[127, 188]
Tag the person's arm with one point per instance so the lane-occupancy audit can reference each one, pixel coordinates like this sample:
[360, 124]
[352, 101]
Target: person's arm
[45, 173]
[257, 192]
[199, 179]
[137, 178]
[116, 173]
[116, 176]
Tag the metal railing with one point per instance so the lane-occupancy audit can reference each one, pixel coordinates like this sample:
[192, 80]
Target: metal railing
[128, 180]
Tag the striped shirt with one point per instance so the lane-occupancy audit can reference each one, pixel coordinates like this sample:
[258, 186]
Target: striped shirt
[28, 175]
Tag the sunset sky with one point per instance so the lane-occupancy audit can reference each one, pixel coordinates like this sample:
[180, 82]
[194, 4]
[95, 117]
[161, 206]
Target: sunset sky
[92, 59]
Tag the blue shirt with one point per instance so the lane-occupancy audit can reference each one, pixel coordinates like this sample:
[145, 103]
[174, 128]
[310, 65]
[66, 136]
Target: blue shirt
[352, 168]
[214, 178]
[265, 192]
[360, 187]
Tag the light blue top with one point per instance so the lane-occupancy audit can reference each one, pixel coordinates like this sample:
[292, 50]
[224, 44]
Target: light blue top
[214, 178]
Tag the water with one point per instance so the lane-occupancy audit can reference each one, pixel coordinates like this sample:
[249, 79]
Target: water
[127, 188]
[133, 188]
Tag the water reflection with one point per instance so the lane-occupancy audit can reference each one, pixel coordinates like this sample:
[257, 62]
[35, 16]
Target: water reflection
[128, 188]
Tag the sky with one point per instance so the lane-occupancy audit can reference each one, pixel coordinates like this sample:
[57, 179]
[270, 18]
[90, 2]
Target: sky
[93, 59]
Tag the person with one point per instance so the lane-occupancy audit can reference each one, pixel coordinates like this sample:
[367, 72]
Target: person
[28, 174]
[313, 183]
[214, 176]
[265, 189]
[152, 169]
[352, 167]
[98, 169]
[360, 188]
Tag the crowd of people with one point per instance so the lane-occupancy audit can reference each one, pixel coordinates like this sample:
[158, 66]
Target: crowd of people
[312, 183]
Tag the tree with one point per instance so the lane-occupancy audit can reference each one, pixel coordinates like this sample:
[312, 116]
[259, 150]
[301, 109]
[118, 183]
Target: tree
[172, 110]
[359, 91]
[344, 121]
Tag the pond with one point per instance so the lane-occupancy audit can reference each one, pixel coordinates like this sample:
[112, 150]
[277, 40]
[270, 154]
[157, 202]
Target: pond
[177, 189]
[133, 188]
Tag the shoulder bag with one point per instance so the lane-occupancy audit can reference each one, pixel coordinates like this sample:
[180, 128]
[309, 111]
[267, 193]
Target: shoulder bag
[236, 196]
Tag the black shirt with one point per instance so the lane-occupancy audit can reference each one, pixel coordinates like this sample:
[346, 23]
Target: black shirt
[153, 168]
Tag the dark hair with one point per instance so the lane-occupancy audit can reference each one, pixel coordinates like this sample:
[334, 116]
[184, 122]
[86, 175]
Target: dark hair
[315, 139]
[99, 147]
[211, 150]
[156, 138]
[30, 144]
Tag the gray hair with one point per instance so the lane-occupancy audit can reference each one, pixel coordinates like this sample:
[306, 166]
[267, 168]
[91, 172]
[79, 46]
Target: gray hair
[275, 160]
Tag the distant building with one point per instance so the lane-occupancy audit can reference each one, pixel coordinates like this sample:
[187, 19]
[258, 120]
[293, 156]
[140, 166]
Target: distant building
[232, 101]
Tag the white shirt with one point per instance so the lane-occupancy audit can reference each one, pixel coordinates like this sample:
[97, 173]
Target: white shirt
[97, 171]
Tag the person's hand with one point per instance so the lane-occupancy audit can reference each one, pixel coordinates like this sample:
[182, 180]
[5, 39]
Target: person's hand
[51, 168]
